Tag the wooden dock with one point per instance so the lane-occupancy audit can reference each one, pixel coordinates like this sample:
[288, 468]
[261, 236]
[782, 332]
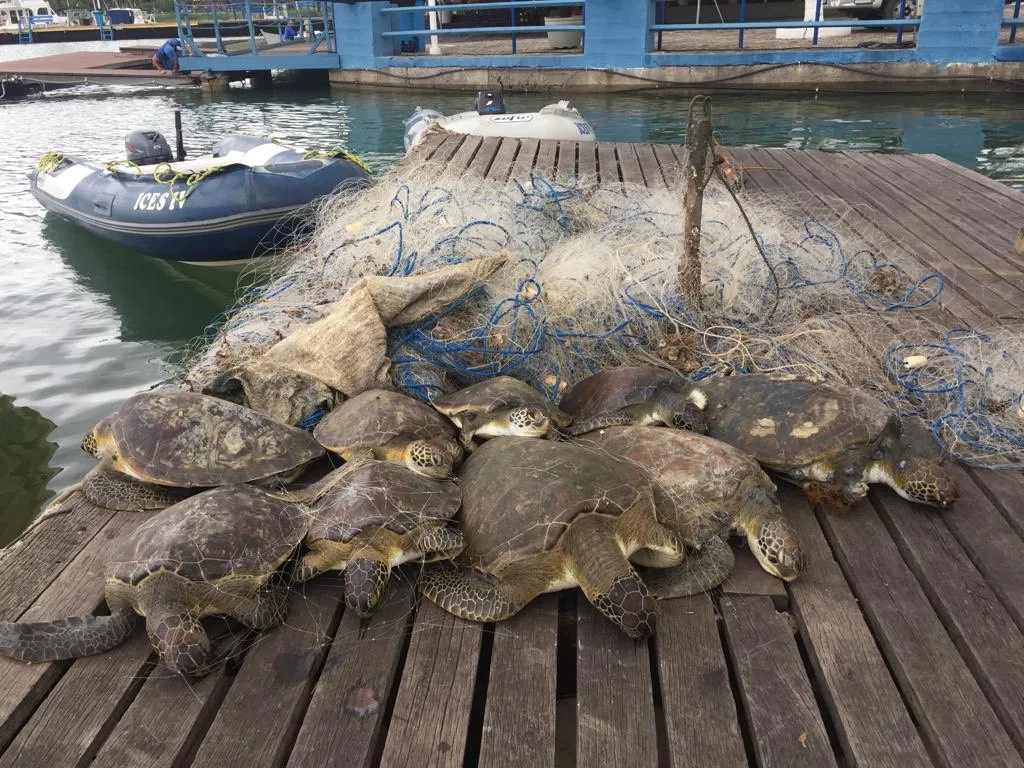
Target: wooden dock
[902, 645]
[91, 68]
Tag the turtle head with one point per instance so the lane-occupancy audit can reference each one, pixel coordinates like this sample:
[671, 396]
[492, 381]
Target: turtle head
[912, 465]
[777, 549]
[97, 440]
[180, 641]
[528, 421]
[429, 459]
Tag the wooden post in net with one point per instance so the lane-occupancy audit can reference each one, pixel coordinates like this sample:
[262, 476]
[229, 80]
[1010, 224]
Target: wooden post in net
[697, 171]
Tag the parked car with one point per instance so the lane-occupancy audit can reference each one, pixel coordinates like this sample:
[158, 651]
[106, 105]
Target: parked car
[876, 9]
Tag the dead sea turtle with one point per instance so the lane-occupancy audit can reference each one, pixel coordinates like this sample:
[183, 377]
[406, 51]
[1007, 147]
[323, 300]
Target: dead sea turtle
[641, 395]
[392, 427]
[186, 441]
[828, 438]
[500, 406]
[703, 489]
[541, 516]
[376, 516]
[213, 553]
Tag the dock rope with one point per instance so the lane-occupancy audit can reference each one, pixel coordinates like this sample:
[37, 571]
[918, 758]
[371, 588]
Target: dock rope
[338, 152]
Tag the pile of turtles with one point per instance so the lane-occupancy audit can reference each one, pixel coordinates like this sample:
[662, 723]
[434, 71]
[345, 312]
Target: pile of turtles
[629, 488]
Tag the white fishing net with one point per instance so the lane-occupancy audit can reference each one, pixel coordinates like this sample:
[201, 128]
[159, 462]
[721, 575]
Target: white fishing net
[590, 281]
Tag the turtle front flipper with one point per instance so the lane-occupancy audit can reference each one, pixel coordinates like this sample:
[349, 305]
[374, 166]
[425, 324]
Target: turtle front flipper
[702, 570]
[366, 578]
[440, 543]
[69, 638]
[110, 489]
[461, 591]
[606, 576]
[624, 417]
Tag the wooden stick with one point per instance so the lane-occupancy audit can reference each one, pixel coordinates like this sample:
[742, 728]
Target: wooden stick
[698, 143]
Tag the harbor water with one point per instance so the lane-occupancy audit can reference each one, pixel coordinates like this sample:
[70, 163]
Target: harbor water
[85, 324]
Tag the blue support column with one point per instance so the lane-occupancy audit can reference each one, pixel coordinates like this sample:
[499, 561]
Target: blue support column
[957, 31]
[359, 27]
[616, 37]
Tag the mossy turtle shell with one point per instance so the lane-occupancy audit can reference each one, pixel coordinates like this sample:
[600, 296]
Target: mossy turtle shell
[489, 395]
[382, 494]
[519, 494]
[226, 532]
[695, 478]
[615, 388]
[192, 440]
[377, 416]
[787, 422]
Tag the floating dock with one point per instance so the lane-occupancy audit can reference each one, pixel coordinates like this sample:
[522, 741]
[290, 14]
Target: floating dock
[901, 645]
[90, 68]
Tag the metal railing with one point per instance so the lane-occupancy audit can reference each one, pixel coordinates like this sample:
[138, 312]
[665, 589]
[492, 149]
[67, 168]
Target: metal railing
[1014, 22]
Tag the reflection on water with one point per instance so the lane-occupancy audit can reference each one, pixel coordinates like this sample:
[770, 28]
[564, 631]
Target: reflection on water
[86, 323]
[25, 469]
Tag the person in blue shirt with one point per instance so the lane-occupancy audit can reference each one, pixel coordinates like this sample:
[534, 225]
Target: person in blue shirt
[291, 31]
[166, 57]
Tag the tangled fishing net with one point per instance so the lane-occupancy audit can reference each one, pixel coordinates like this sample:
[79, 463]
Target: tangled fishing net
[590, 280]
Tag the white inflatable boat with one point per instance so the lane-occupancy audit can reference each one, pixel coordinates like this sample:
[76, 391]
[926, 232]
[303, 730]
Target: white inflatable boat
[555, 121]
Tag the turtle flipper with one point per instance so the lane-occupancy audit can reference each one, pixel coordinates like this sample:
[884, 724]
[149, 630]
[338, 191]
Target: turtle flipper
[702, 570]
[620, 418]
[607, 578]
[69, 638]
[110, 489]
[441, 543]
[460, 590]
[366, 578]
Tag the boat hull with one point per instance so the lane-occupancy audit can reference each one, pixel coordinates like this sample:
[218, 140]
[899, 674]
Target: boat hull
[237, 212]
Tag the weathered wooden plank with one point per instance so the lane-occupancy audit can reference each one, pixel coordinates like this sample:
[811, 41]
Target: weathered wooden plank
[481, 164]
[523, 168]
[615, 723]
[519, 719]
[869, 716]
[464, 154]
[951, 710]
[501, 167]
[649, 166]
[701, 723]
[992, 543]
[976, 181]
[608, 165]
[668, 163]
[786, 726]
[565, 170]
[443, 154]
[1005, 489]
[34, 562]
[587, 161]
[285, 662]
[70, 724]
[547, 153]
[629, 163]
[158, 727]
[347, 710]
[431, 714]
[989, 641]
[77, 591]
[749, 578]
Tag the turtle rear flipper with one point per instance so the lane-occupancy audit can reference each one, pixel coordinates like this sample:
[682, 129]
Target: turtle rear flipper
[463, 592]
[69, 638]
[110, 489]
[702, 570]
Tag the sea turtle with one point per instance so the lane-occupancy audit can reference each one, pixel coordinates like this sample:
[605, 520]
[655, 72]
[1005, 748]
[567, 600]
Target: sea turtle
[375, 516]
[500, 406]
[218, 552]
[703, 489]
[828, 438]
[640, 395]
[391, 427]
[159, 446]
[540, 516]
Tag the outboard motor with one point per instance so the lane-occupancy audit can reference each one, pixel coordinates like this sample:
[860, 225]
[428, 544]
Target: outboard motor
[490, 103]
[147, 147]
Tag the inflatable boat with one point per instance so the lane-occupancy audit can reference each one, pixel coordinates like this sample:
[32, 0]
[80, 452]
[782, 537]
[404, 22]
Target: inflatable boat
[238, 203]
[555, 121]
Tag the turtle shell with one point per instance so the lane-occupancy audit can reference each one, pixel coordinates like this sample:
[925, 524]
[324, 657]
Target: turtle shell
[191, 440]
[519, 494]
[696, 478]
[230, 531]
[787, 422]
[381, 494]
[375, 417]
[615, 388]
[490, 395]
